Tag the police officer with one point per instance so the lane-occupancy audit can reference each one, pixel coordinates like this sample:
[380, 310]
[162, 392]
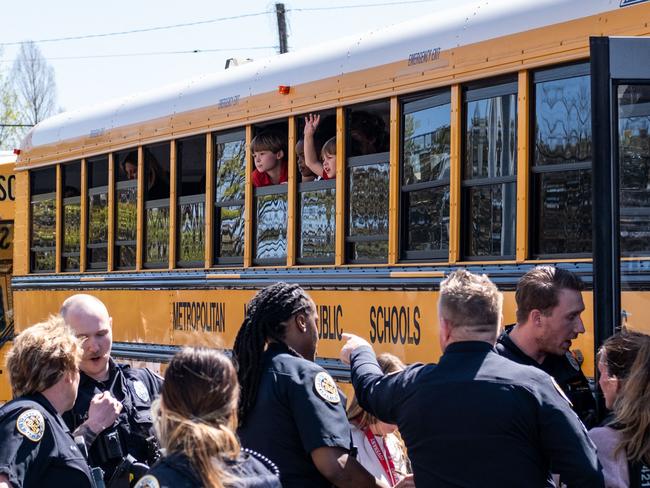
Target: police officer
[549, 304]
[36, 447]
[475, 419]
[291, 410]
[126, 446]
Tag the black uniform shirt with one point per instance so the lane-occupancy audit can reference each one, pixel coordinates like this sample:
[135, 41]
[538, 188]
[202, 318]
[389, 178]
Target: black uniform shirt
[175, 471]
[478, 419]
[36, 447]
[298, 409]
[135, 388]
[566, 371]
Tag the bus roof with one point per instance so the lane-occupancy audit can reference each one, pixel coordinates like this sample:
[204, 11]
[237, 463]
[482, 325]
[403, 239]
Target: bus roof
[7, 157]
[441, 30]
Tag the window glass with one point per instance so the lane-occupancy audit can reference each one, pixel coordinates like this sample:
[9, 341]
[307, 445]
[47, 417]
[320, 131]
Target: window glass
[561, 166]
[317, 224]
[191, 228]
[126, 194]
[368, 129]
[190, 157]
[43, 219]
[634, 170]
[156, 238]
[271, 232]
[490, 167]
[191, 161]
[97, 248]
[70, 254]
[230, 184]
[425, 177]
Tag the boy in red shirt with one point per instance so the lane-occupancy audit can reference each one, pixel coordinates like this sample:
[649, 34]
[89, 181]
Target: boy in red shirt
[270, 157]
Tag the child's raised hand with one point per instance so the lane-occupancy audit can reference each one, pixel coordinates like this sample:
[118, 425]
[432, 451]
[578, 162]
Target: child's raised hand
[311, 123]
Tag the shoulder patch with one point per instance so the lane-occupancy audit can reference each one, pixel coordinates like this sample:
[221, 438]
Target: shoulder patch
[141, 390]
[326, 388]
[31, 424]
[572, 360]
[561, 391]
[147, 481]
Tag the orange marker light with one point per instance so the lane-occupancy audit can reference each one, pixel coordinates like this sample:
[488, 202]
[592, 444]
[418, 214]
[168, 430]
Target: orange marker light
[284, 89]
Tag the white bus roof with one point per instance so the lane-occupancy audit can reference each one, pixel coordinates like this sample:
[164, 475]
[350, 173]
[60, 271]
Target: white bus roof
[445, 29]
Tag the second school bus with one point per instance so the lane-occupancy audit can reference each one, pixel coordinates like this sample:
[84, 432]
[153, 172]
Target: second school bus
[464, 139]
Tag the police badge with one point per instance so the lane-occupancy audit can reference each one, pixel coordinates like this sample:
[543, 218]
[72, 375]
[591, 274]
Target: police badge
[141, 391]
[326, 388]
[31, 424]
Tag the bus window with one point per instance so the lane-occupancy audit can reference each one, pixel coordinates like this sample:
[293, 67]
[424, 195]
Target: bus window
[271, 204]
[43, 214]
[156, 191]
[316, 198]
[126, 195]
[634, 172]
[98, 213]
[70, 255]
[490, 171]
[561, 165]
[367, 144]
[425, 177]
[190, 168]
[230, 182]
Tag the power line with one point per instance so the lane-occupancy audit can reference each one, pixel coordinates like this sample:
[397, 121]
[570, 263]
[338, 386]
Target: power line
[137, 31]
[212, 21]
[154, 53]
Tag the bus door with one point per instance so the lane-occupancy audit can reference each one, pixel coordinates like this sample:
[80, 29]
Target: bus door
[620, 86]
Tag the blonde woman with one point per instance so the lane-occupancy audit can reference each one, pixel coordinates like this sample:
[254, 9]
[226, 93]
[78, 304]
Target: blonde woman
[624, 442]
[379, 449]
[36, 448]
[195, 420]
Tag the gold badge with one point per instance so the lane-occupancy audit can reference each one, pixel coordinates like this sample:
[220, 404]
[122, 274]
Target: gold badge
[148, 481]
[326, 388]
[31, 424]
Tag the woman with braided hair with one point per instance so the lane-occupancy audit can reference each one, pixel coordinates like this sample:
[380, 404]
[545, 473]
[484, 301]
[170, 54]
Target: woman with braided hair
[290, 409]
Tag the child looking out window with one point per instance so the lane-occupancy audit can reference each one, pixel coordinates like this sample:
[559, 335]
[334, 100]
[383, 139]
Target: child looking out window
[270, 158]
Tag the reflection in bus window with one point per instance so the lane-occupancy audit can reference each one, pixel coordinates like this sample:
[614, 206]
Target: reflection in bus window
[230, 182]
[368, 169]
[190, 160]
[156, 240]
[490, 168]
[317, 221]
[561, 166]
[43, 213]
[126, 194]
[97, 213]
[634, 171]
[70, 255]
[425, 177]
[271, 231]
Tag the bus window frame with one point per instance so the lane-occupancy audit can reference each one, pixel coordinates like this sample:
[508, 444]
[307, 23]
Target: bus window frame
[124, 185]
[417, 103]
[471, 92]
[41, 197]
[157, 203]
[542, 75]
[76, 200]
[224, 137]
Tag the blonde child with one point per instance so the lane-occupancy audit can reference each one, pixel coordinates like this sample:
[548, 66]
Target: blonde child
[326, 166]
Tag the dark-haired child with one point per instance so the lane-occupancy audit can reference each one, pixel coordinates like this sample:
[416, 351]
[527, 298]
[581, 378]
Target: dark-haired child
[270, 158]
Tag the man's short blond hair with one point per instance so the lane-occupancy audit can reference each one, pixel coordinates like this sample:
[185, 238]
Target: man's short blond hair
[470, 301]
[41, 355]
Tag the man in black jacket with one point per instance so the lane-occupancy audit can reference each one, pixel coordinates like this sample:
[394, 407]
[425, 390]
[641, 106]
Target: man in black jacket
[476, 418]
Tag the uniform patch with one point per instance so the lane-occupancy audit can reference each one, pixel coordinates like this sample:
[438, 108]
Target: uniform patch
[561, 392]
[141, 390]
[31, 424]
[572, 360]
[326, 388]
[147, 481]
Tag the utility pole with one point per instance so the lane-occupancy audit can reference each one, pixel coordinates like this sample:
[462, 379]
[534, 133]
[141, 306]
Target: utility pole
[282, 27]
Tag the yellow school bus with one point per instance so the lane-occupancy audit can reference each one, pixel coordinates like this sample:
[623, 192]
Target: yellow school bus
[463, 139]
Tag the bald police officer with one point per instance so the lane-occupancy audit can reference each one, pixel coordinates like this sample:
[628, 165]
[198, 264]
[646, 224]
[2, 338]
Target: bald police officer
[123, 446]
[549, 308]
[476, 418]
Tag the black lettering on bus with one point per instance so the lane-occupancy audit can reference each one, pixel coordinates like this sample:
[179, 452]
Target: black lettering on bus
[373, 324]
[3, 190]
[11, 182]
[416, 327]
[394, 324]
[5, 242]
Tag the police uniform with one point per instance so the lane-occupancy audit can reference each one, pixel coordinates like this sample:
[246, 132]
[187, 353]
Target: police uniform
[251, 470]
[135, 388]
[566, 371]
[478, 419]
[297, 410]
[36, 447]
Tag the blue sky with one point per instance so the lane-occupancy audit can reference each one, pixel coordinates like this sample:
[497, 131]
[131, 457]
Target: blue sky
[92, 73]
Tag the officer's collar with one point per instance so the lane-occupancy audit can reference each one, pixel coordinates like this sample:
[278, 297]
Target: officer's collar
[113, 367]
[469, 346]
